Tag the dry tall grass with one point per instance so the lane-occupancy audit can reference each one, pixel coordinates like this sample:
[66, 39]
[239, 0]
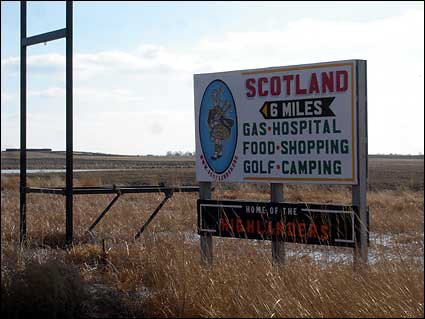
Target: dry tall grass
[160, 275]
[52, 289]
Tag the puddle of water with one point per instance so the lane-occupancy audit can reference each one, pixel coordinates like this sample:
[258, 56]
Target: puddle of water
[325, 255]
[320, 254]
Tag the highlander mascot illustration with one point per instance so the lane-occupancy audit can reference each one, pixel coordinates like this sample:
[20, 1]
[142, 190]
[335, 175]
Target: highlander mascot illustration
[220, 126]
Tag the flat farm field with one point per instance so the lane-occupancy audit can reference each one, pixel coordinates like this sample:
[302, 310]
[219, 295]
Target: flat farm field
[106, 273]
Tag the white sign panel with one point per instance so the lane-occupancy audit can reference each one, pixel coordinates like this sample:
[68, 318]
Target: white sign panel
[294, 124]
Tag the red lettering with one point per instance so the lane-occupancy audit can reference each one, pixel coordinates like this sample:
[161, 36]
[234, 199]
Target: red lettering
[288, 79]
[279, 229]
[224, 225]
[250, 87]
[314, 85]
[324, 232]
[250, 226]
[259, 228]
[312, 231]
[275, 86]
[341, 81]
[298, 89]
[301, 230]
[269, 228]
[260, 87]
[327, 82]
[290, 230]
[239, 226]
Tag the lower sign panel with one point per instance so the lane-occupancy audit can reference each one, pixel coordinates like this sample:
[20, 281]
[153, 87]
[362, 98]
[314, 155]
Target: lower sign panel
[317, 224]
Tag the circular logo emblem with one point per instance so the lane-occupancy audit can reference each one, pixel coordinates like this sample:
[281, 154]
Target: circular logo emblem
[218, 126]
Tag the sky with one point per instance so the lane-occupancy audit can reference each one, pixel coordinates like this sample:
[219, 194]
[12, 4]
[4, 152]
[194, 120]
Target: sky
[134, 64]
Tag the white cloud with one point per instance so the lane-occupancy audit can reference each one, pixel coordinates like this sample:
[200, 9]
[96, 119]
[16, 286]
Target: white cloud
[136, 132]
[52, 92]
[42, 63]
[115, 94]
[8, 62]
[310, 40]
[7, 97]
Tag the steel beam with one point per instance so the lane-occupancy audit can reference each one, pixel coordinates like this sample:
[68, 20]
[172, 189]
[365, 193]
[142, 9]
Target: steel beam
[104, 212]
[69, 125]
[167, 196]
[97, 190]
[44, 37]
[46, 190]
[23, 127]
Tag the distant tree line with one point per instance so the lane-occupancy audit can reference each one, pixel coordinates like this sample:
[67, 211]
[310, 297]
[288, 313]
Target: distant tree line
[179, 153]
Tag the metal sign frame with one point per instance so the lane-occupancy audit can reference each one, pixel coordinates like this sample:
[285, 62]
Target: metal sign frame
[358, 190]
[69, 190]
[66, 33]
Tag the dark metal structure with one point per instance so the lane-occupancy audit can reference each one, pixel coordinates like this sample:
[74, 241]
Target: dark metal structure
[69, 191]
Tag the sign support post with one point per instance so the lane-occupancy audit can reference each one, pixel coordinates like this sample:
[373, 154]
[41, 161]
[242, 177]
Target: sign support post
[206, 239]
[69, 193]
[359, 190]
[23, 150]
[278, 246]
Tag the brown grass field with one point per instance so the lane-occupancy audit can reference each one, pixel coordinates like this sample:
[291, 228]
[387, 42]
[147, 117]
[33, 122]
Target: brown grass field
[109, 274]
